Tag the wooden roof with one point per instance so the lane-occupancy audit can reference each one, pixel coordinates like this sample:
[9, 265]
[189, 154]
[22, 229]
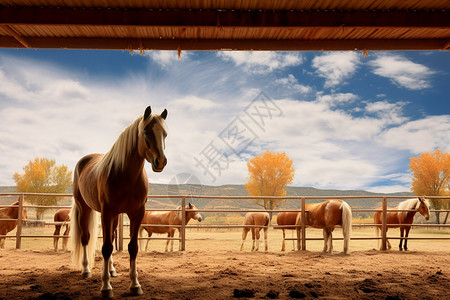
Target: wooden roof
[226, 24]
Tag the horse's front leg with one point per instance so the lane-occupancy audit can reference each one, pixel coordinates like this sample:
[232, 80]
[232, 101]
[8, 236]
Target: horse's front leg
[407, 229]
[283, 243]
[107, 249]
[266, 246]
[135, 223]
[325, 240]
[402, 231]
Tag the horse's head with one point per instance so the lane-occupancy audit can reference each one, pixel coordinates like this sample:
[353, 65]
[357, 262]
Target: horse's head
[192, 213]
[152, 136]
[423, 209]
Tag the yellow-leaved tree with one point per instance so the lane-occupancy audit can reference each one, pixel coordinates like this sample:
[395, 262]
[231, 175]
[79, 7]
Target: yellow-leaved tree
[431, 177]
[269, 174]
[43, 176]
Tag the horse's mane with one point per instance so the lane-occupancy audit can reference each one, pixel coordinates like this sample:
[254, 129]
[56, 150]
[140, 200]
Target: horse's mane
[409, 204]
[115, 158]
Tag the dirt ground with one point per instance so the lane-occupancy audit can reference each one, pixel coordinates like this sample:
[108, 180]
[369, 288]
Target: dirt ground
[225, 274]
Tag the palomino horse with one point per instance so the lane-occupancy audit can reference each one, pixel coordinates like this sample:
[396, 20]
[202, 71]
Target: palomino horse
[111, 184]
[402, 218]
[62, 215]
[284, 219]
[11, 212]
[169, 219]
[260, 219]
[327, 215]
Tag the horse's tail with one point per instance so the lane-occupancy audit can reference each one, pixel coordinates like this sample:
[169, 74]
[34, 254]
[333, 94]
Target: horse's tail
[75, 237]
[346, 224]
[267, 220]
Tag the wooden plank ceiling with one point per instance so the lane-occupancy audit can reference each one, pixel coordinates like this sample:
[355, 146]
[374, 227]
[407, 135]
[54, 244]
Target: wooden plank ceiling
[226, 25]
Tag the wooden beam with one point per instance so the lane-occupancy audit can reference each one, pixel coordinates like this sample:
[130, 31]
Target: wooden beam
[218, 45]
[202, 18]
[16, 35]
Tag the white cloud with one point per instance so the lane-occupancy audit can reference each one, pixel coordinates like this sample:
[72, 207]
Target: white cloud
[402, 71]
[391, 113]
[166, 58]
[336, 99]
[262, 62]
[291, 83]
[336, 67]
[418, 136]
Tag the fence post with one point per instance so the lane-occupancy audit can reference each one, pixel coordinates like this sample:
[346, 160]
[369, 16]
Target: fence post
[183, 224]
[303, 224]
[19, 222]
[384, 224]
[120, 232]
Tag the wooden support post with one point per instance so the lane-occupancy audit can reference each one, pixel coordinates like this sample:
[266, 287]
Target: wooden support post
[120, 232]
[384, 224]
[19, 222]
[183, 224]
[303, 224]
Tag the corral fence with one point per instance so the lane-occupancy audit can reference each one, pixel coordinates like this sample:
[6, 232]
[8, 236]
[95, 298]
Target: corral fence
[20, 197]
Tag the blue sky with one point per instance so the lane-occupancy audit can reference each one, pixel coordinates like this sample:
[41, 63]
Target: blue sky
[348, 122]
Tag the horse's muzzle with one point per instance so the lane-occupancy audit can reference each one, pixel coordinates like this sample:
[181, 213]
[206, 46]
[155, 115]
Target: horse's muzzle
[156, 164]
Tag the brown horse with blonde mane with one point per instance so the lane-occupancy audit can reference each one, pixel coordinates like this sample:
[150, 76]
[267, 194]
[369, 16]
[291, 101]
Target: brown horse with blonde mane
[170, 219]
[259, 221]
[284, 219]
[328, 215]
[11, 212]
[112, 184]
[402, 219]
[62, 215]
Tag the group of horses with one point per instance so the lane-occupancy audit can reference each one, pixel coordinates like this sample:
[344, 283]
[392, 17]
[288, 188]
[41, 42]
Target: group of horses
[116, 183]
[329, 214]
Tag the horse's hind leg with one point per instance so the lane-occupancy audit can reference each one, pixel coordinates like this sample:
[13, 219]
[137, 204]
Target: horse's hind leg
[266, 246]
[65, 238]
[135, 223]
[112, 270]
[253, 239]
[56, 237]
[244, 236]
[148, 240]
[283, 242]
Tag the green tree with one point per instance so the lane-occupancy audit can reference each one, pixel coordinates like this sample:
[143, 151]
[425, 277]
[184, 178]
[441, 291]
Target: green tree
[43, 176]
[269, 174]
[431, 177]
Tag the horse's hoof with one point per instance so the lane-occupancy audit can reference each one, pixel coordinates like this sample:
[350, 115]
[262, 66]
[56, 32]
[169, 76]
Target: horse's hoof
[86, 275]
[107, 294]
[136, 291]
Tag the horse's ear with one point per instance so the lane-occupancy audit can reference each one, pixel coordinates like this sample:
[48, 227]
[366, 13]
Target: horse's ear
[147, 113]
[190, 205]
[164, 114]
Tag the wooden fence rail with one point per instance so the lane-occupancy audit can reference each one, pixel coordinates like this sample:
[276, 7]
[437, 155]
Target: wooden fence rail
[183, 226]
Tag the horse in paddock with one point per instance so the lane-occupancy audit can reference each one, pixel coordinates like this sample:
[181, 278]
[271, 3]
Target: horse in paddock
[115, 183]
[327, 215]
[260, 219]
[171, 218]
[402, 219]
[11, 212]
[62, 215]
[283, 219]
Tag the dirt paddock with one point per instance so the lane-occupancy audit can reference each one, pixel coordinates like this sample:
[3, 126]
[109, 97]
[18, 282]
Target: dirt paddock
[44, 274]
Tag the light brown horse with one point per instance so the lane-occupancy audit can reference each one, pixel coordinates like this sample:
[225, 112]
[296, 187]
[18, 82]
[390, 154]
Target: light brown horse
[327, 215]
[286, 218]
[62, 215]
[111, 184]
[11, 212]
[395, 218]
[260, 219]
[169, 219]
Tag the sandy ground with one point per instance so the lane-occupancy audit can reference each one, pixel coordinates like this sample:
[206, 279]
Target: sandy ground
[225, 274]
